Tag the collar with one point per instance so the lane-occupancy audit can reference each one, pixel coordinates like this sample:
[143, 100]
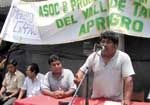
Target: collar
[61, 76]
[36, 78]
[13, 73]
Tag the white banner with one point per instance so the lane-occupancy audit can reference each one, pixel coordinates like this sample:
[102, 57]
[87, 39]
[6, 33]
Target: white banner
[63, 21]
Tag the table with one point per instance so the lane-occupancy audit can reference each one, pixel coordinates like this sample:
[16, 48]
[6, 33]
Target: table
[46, 100]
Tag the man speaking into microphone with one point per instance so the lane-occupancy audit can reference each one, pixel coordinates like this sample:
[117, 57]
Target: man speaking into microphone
[112, 70]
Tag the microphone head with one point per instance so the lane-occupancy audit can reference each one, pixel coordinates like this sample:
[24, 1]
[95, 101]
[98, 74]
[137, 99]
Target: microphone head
[64, 102]
[97, 47]
[102, 47]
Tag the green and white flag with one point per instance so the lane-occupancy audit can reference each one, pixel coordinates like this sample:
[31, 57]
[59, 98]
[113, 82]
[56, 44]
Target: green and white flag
[64, 21]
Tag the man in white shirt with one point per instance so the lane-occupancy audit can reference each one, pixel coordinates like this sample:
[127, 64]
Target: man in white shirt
[58, 82]
[112, 68]
[33, 81]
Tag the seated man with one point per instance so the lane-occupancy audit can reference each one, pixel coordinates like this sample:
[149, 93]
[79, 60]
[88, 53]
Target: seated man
[58, 82]
[32, 83]
[12, 83]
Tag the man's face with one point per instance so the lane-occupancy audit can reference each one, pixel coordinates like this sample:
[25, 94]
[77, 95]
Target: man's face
[56, 67]
[108, 45]
[29, 72]
[11, 68]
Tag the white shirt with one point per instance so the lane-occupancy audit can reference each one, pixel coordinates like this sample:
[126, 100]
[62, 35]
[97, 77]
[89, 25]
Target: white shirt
[65, 81]
[33, 88]
[108, 78]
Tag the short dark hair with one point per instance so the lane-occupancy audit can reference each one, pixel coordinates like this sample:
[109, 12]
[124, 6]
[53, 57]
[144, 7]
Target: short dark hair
[34, 68]
[13, 62]
[53, 58]
[110, 35]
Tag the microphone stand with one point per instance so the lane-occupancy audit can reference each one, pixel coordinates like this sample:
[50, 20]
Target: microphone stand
[86, 75]
[75, 94]
[87, 87]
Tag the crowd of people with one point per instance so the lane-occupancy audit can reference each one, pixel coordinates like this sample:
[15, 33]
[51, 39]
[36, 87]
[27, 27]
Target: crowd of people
[111, 67]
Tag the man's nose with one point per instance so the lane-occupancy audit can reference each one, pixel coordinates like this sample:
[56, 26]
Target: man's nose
[56, 65]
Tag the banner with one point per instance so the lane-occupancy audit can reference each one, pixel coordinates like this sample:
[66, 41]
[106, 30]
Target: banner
[64, 21]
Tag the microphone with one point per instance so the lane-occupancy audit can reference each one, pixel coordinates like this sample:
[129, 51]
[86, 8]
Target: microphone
[97, 47]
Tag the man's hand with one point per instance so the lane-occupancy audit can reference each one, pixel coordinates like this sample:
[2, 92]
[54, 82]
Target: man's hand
[59, 94]
[1, 94]
[5, 98]
[128, 89]
[77, 79]
[126, 102]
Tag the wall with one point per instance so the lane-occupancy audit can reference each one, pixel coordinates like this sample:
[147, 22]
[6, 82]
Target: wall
[138, 48]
